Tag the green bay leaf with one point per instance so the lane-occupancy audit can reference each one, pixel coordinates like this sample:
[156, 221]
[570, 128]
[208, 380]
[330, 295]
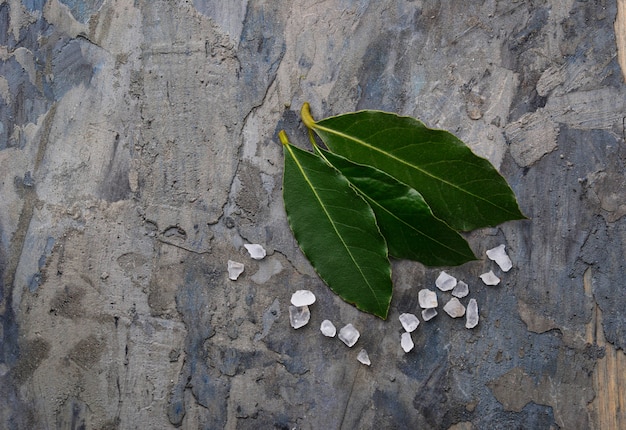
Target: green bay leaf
[403, 216]
[336, 230]
[462, 189]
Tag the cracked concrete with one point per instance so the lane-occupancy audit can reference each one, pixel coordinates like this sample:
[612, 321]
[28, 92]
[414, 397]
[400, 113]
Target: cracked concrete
[139, 153]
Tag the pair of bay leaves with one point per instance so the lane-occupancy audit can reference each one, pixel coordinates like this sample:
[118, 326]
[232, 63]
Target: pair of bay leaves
[386, 186]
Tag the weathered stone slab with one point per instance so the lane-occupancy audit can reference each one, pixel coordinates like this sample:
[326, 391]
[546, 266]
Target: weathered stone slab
[138, 154]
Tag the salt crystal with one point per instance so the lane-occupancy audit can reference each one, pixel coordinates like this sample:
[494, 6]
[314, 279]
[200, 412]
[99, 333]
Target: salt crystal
[234, 270]
[472, 314]
[429, 314]
[256, 251]
[363, 357]
[427, 299]
[490, 278]
[328, 328]
[302, 298]
[461, 290]
[498, 254]
[409, 322]
[406, 342]
[454, 308]
[445, 282]
[299, 316]
[349, 335]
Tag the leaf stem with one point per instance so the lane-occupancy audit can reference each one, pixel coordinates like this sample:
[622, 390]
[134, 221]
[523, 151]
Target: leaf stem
[312, 138]
[307, 119]
[283, 137]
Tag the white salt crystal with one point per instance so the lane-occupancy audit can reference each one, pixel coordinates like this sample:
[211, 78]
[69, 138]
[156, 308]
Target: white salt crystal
[454, 308]
[498, 254]
[234, 270]
[349, 335]
[490, 278]
[461, 290]
[299, 316]
[445, 282]
[363, 357]
[328, 328]
[406, 342]
[409, 322]
[302, 298]
[256, 251]
[427, 299]
[472, 314]
[429, 314]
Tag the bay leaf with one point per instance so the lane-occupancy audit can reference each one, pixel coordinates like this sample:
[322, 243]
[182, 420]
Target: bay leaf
[403, 216]
[336, 230]
[461, 188]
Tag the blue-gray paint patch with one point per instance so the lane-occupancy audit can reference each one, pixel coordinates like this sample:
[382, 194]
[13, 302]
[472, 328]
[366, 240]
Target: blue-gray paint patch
[82, 9]
[27, 102]
[70, 68]
[261, 48]
[33, 5]
[37, 278]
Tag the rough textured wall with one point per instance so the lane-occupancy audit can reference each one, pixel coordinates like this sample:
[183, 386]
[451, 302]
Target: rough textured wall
[138, 153]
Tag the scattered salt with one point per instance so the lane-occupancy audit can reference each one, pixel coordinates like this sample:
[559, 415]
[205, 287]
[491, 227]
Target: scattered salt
[234, 270]
[256, 251]
[409, 322]
[490, 278]
[302, 298]
[454, 308]
[498, 254]
[427, 299]
[299, 316]
[363, 357]
[349, 335]
[472, 314]
[328, 328]
[461, 290]
[429, 314]
[445, 282]
[406, 342]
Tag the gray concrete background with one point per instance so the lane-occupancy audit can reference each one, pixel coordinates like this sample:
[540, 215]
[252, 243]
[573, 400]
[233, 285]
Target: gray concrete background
[139, 152]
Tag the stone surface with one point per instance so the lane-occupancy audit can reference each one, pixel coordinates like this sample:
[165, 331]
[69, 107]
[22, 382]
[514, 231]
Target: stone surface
[138, 140]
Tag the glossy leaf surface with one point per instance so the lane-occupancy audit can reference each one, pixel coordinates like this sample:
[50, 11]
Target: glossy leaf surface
[336, 229]
[405, 219]
[462, 189]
